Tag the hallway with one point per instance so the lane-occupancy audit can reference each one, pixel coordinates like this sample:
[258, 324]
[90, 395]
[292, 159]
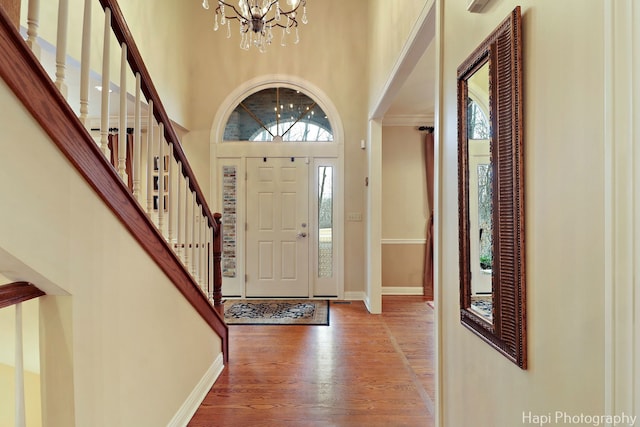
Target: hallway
[362, 370]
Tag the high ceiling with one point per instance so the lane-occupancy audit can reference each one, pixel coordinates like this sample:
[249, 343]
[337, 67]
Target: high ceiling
[409, 98]
[415, 98]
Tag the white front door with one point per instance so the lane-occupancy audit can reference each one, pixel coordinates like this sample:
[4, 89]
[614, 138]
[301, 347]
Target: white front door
[277, 233]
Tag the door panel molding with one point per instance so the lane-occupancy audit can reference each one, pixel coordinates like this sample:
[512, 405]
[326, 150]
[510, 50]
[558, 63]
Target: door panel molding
[277, 260]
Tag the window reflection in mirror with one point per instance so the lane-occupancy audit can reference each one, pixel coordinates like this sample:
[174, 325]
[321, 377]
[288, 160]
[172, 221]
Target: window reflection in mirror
[480, 194]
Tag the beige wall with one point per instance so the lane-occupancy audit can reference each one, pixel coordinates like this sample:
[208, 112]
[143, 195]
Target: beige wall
[390, 25]
[30, 334]
[30, 360]
[402, 266]
[404, 206]
[163, 33]
[563, 106]
[33, 409]
[114, 345]
[331, 56]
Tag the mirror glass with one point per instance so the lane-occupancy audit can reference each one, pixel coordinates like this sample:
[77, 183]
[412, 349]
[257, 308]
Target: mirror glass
[480, 193]
[491, 191]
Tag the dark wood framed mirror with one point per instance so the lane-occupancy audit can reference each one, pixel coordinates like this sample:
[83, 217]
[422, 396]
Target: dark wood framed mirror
[491, 191]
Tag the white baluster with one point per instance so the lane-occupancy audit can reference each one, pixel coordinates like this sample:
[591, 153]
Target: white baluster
[170, 208]
[199, 269]
[104, 113]
[85, 65]
[194, 228]
[137, 132]
[180, 213]
[122, 131]
[161, 178]
[187, 235]
[61, 46]
[20, 417]
[33, 22]
[203, 252]
[210, 262]
[150, 161]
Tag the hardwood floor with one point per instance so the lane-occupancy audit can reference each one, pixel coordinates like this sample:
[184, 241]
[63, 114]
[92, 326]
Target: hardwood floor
[362, 370]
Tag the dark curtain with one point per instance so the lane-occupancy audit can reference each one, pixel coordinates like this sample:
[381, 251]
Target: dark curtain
[113, 147]
[428, 261]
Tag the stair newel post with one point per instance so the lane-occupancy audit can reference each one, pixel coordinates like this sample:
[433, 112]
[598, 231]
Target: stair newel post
[33, 22]
[179, 212]
[61, 46]
[170, 197]
[85, 63]
[187, 235]
[104, 107]
[122, 131]
[217, 259]
[161, 178]
[150, 160]
[137, 137]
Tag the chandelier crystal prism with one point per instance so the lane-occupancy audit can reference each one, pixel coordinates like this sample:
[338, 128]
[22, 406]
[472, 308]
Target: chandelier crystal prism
[258, 19]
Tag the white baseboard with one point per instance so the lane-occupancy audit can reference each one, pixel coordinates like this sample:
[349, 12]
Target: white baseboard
[193, 402]
[404, 241]
[355, 296]
[402, 290]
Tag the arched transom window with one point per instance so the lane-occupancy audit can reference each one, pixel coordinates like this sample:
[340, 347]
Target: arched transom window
[278, 114]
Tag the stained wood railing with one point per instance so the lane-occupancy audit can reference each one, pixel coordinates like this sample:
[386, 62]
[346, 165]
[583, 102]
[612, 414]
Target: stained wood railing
[171, 219]
[17, 292]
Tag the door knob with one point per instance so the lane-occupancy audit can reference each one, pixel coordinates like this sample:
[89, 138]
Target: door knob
[302, 234]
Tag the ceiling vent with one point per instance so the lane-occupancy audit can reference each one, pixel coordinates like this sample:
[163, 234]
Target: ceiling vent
[476, 6]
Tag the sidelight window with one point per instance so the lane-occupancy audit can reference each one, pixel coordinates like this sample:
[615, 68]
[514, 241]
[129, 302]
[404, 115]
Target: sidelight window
[325, 221]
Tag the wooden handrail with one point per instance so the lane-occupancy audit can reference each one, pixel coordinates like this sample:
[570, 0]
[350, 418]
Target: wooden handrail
[123, 35]
[134, 58]
[28, 80]
[17, 292]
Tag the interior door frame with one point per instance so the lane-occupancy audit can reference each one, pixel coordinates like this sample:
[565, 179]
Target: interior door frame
[319, 153]
[235, 152]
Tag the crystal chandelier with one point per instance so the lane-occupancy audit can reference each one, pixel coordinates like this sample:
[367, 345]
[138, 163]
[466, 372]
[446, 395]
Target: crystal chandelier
[257, 20]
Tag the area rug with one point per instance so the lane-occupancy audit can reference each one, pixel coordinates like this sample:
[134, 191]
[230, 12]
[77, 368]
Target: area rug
[276, 312]
[483, 306]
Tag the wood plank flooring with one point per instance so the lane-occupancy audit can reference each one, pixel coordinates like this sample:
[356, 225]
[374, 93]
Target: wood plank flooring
[362, 370]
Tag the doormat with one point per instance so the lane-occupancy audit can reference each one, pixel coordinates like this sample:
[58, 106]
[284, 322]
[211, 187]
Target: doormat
[276, 312]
